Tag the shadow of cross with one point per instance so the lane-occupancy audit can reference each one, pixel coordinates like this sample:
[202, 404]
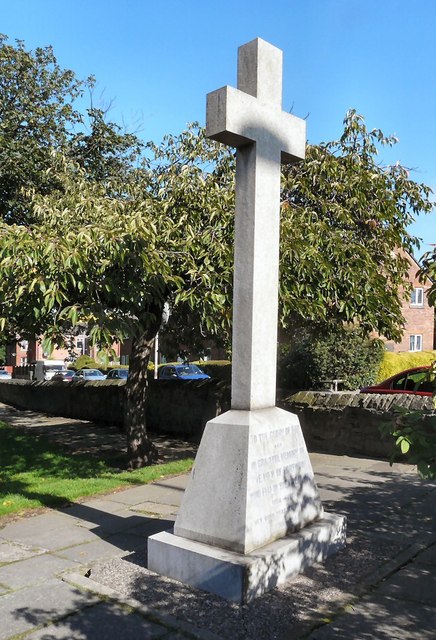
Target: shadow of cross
[251, 119]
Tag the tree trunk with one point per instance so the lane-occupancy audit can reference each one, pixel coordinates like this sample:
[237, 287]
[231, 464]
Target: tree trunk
[140, 449]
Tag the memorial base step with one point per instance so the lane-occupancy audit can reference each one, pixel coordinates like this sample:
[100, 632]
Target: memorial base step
[241, 578]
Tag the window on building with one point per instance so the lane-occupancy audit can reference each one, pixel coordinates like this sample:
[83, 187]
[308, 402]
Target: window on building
[82, 345]
[415, 343]
[417, 297]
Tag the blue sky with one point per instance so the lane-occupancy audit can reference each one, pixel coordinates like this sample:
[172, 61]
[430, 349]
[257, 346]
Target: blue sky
[155, 61]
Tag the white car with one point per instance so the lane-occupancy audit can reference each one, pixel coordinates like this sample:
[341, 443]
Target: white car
[88, 374]
[5, 375]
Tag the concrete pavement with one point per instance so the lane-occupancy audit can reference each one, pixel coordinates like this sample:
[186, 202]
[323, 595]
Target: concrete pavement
[80, 572]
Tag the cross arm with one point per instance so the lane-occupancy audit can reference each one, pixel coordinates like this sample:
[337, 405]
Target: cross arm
[237, 119]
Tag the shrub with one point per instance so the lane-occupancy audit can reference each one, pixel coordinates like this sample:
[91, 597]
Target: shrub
[217, 369]
[393, 363]
[326, 354]
[415, 437]
[85, 362]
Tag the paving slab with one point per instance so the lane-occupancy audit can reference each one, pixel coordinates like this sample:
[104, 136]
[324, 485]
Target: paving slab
[331, 495]
[26, 609]
[412, 583]
[104, 523]
[427, 557]
[176, 482]
[425, 508]
[33, 570]
[103, 503]
[118, 545]
[103, 621]
[50, 539]
[156, 509]
[152, 493]
[92, 551]
[32, 525]
[13, 551]
[380, 619]
[150, 526]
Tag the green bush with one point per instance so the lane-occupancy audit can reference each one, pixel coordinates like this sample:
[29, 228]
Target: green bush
[85, 362]
[415, 437]
[217, 369]
[393, 363]
[318, 355]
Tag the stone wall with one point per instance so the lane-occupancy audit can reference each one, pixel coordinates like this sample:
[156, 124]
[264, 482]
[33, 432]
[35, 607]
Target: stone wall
[174, 407]
[340, 423]
[348, 423]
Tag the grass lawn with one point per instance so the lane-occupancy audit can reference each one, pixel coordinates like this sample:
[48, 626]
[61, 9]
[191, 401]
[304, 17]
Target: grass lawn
[36, 473]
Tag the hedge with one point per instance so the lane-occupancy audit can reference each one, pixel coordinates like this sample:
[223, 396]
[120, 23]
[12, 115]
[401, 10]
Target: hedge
[393, 363]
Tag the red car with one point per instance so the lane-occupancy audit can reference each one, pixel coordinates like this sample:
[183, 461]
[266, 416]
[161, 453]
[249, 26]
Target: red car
[417, 381]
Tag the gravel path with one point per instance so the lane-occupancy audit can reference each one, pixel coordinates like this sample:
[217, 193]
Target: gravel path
[387, 512]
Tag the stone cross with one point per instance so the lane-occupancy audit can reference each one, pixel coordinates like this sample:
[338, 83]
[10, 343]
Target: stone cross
[251, 119]
[251, 515]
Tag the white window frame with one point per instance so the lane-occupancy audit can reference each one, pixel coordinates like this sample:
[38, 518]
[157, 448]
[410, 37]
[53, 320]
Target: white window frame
[415, 342]
[417, 297]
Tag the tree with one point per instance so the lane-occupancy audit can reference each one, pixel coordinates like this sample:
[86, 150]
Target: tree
[344, 222]
[111, 262]
[317, 354]
[104, 151]
[90, 238]
[110, 256]
[39, 117]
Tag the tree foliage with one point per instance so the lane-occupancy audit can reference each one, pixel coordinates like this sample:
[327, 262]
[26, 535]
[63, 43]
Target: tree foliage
[110, 262]
[91, 236]
[37, 114]
[317, 355]
[39, 118]
[428, 272]
[415, 437]
[344, 222]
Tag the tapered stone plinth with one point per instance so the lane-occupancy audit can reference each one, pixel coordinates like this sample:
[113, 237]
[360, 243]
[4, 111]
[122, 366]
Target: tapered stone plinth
[251, 516]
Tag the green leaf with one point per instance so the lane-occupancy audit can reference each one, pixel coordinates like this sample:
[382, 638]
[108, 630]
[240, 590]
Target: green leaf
[405, 446]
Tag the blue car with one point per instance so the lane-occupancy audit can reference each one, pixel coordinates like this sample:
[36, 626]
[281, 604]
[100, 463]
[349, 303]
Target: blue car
[182, 372]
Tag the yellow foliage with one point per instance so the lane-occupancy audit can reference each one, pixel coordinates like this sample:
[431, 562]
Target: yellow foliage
[393, 363]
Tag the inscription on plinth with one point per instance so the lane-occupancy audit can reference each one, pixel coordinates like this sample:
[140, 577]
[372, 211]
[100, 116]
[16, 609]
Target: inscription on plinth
[282, 495]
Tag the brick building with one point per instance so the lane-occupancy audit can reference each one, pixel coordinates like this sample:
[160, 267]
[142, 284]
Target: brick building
[420, 329]
[28, 351]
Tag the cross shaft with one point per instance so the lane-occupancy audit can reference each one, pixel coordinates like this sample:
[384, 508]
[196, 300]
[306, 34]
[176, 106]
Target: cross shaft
[251, 119]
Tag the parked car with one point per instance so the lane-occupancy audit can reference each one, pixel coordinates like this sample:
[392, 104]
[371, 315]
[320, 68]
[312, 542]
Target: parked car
[416, 381]
[47, 369]
[88, 374]
[64, 376]
[117, 374]
[182, 372]
[5, 375]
